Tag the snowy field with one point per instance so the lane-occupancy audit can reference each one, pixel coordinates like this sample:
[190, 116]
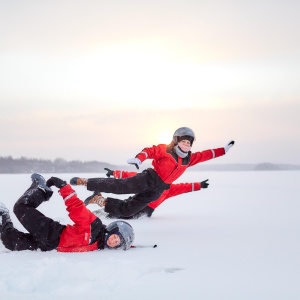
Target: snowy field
[237, 240]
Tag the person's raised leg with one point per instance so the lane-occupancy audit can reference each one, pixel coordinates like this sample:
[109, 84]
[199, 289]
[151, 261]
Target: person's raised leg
[12, 238]
[45, 230]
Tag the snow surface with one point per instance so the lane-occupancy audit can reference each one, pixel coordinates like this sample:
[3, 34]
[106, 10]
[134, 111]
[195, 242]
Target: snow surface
[238, 239]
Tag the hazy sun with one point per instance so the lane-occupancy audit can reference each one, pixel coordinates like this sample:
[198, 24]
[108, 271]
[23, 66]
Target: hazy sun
[164, 137]
[136, 74]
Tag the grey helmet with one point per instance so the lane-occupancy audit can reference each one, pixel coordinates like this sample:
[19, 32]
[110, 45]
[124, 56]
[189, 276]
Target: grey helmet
[184, 132]
[124, 230]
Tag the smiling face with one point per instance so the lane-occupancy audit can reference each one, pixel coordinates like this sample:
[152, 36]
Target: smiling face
[185, 145]
[113, 241]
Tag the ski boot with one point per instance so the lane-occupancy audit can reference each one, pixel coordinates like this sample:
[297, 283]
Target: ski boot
[96, 198]
[4, 215]
[78, 181]
[40, 182]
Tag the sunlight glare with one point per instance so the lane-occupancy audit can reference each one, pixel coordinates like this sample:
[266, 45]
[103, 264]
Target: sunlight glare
[142, 73]
[164, 137]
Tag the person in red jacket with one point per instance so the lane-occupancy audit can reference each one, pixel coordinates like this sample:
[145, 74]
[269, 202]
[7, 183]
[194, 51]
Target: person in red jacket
[86, 234]
[174, 190]
[169, 163]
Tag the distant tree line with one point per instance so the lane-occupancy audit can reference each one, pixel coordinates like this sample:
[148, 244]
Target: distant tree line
[11, 165]
[59, 165]
[275, 167]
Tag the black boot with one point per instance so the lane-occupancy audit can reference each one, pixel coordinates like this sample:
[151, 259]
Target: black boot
[4, 216]
[40, 182]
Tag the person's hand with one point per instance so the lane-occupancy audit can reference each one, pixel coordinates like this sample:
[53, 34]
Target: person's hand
[134, 161]
[109, 172]
[59, 183]
[228, 146]
[204, 184]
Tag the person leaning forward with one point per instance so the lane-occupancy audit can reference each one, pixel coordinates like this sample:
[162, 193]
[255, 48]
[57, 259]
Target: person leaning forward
[169, 163]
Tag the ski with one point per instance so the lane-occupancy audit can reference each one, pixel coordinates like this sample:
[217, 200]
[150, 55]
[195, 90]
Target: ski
[143, 246]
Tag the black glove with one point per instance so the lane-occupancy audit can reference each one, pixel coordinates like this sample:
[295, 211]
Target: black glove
[204, 184]
[109, 172]
[59, 183]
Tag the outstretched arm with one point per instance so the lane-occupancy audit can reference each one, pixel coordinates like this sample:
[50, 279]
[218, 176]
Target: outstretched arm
[177, 189]
[119, 174]
[78, 213]
[146, 153]
[205, 155]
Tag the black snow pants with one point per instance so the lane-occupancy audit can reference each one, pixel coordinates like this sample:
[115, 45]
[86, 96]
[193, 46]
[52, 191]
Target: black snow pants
[145, 212]
[44, 233]
[147, 187]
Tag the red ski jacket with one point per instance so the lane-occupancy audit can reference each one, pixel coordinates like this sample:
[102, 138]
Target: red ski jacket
[76, 238]
[174, 190]
[166, 165]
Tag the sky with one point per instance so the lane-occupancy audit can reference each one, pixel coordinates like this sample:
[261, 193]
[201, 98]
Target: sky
[238, 239]
[101, 80]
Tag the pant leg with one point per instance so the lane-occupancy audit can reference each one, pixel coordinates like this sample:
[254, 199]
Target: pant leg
[43, 229]
[16, 240]
[142, 182]
[35, 196]
[145, 212]
[131, 206]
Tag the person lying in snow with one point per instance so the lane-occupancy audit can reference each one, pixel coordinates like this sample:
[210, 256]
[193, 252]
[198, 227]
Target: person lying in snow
[174, 190]
[87, 234]
[169, 163]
